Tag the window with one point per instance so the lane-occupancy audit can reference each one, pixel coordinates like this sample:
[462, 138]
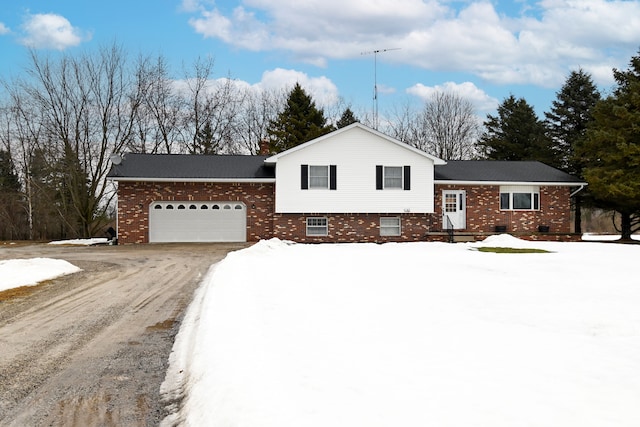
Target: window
[317, 226]
[390, 177]
[157, 207]
[193, 207]
[390, 226]
[523, 198]
[318, 177]
[181, 207]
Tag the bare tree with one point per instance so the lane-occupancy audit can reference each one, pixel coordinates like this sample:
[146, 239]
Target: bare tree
[446, 127]
[157, 126]
[259, 109]
[87, 109]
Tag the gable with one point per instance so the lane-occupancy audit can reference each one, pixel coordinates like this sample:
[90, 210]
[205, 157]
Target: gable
[350, 163]
[353, 134]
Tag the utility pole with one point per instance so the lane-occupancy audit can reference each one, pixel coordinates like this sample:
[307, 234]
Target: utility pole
[375, 81]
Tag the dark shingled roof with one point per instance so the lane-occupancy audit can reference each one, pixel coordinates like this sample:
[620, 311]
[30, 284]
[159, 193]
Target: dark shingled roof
[185, 166]
[501, 171]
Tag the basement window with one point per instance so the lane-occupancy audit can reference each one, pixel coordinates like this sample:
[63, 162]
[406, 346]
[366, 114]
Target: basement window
[390, 226]
[317, 226]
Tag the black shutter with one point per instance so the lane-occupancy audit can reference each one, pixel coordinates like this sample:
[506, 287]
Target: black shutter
[304, 177]
[378, 177]
[407, 178]
[333, 185]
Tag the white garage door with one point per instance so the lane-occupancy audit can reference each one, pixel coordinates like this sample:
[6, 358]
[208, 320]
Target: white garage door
[197, 222]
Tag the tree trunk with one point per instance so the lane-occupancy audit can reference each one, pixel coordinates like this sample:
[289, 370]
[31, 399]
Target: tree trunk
[577, 228]
[625, 225]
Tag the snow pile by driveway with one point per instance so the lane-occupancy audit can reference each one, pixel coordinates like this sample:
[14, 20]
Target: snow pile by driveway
[412, 334]
[81, 242]
[28, 272]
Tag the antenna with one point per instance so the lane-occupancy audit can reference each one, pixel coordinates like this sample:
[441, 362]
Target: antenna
[375, 80]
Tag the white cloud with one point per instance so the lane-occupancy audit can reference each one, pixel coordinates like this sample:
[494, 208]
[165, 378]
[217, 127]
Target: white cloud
[323, 91]
[538, 44]
[482, 102]
[51, 31]
[4, 29]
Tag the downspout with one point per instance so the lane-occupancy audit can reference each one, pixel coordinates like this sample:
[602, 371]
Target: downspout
[578, 190]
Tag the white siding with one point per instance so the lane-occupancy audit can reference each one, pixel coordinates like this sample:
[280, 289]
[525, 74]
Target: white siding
[356, 154]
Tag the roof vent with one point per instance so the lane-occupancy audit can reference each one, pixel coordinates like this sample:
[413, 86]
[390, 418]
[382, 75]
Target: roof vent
[116, 159]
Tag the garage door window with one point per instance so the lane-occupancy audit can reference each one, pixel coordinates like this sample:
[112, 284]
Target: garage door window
[157, 207]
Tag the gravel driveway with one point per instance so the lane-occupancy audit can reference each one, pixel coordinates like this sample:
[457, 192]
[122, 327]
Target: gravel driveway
[91, 349]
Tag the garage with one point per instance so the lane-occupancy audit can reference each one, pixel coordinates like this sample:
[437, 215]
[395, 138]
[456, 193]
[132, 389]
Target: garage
[188, 221]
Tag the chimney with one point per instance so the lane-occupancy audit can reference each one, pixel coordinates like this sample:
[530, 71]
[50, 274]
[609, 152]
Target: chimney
[264, 147]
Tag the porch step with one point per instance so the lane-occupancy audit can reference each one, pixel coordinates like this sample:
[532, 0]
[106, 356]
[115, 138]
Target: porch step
[461, 238]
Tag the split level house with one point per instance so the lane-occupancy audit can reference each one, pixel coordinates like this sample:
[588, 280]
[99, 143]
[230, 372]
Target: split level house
[352, 185]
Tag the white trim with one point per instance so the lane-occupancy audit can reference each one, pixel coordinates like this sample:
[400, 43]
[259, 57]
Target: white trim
[274, 159]
[549, 184]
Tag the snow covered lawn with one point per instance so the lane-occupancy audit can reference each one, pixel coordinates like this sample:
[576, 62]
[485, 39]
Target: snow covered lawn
[413, 334]
[29, 272]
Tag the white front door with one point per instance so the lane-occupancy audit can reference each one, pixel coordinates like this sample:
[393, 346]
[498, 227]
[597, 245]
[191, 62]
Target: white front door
[454, 209]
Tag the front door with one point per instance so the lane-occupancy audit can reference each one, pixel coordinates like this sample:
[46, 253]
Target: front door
[454, 209]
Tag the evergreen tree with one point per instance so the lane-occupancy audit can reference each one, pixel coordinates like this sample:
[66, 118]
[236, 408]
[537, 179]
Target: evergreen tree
[515, 134]
[299, 122]
[346, 119]
[11, 210]
[611, 149]
[569, 116]
[567, 124]
[205, 141]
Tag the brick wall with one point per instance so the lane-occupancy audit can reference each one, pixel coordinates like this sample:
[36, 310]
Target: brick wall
[134, 199]
[483, 213]
[483, 210]
[345, 228]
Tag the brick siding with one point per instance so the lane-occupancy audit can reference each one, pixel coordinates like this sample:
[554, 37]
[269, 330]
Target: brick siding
[348, 228]
[134, 199]
[484, 214]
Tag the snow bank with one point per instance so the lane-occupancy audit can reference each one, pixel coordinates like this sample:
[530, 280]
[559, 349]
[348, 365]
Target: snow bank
[411, 335]
[28, 272]
[81, 242]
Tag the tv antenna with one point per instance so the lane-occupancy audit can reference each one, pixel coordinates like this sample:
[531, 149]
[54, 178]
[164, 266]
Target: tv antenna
[375, 80]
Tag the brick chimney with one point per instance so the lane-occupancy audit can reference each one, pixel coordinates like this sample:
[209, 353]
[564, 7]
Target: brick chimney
[264, 147]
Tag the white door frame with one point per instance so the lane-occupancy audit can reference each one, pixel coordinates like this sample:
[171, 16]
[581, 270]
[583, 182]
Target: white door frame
[454, 206]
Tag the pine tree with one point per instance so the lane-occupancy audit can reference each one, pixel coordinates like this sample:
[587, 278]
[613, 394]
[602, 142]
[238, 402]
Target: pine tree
[515, 134]
[299, 122]
[569, 116]
[611, 149]
[10, 198]
[346, 119]
[567, 125]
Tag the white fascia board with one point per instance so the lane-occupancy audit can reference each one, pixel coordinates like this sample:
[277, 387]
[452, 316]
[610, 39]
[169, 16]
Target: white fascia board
[550, 184]
[258, 180]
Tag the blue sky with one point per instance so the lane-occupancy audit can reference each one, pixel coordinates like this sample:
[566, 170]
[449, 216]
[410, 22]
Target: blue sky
[482, 50]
